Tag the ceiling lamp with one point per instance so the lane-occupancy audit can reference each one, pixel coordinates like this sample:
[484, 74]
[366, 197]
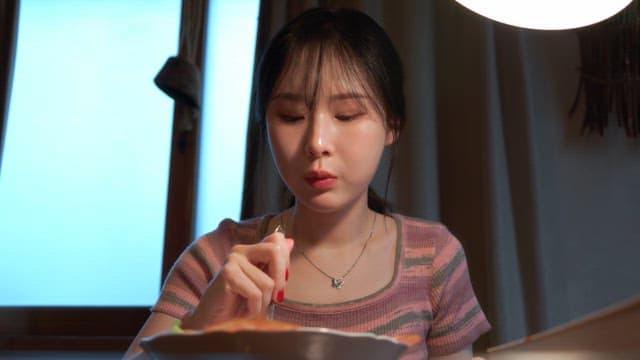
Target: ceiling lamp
[546, 14]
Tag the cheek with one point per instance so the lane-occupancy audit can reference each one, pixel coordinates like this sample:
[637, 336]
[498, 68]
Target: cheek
[280, 142]
[364, 153]
[372, 159]
[283, 149]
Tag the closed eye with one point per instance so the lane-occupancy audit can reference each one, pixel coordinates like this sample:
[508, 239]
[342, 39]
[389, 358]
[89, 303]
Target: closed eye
[291, 118]
[349, 117]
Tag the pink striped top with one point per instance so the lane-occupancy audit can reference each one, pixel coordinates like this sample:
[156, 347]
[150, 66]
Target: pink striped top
[430, 293]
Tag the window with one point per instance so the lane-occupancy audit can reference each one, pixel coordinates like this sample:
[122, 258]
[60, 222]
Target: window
[84, 173]
[86, 158]
[227, 87]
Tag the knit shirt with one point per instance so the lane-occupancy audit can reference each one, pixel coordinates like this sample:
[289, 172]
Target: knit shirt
[430, 293]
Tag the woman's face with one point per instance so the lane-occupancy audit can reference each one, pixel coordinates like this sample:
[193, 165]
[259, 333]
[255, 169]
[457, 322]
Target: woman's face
[326, 153]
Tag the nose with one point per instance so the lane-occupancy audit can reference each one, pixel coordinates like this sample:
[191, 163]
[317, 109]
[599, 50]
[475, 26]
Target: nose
[319, 137]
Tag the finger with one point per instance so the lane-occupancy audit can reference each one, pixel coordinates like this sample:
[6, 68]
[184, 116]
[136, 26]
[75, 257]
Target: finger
[262, 253]
[272, 256]
[217, 304]
[290, 244]
[249, 282]
[263, 282]
[278, 265]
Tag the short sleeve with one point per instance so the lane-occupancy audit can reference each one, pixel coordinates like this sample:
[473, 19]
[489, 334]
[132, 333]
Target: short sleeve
[196, 267]
[458, 319]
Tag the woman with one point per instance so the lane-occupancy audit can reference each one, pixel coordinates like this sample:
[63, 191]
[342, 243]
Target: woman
[329, 99]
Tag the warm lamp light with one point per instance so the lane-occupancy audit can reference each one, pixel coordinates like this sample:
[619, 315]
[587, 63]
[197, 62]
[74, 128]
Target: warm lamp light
[546, 14]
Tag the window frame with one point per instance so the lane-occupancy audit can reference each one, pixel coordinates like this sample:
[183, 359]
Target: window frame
[113, 328]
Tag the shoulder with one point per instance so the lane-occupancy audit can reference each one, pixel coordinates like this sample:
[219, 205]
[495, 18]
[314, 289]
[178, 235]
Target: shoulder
[212, 248]
[435, 253]
[421, 232]
[431, 243]
[207, 253]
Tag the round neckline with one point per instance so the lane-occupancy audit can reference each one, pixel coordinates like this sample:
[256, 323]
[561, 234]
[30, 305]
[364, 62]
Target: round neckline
[300, 306]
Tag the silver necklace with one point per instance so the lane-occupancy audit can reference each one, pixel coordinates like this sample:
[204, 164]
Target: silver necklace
[338, 282]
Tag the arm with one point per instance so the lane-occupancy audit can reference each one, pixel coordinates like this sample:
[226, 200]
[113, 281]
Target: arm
[253, 275]
[458, 319]
[239, 280]
[156, 323]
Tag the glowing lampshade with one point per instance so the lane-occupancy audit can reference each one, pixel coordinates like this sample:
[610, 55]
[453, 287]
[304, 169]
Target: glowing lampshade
[546, 14]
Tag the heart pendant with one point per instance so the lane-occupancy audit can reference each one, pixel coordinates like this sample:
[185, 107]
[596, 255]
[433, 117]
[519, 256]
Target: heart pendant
[337, 283]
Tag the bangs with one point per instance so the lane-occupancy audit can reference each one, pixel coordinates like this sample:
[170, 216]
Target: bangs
[309, 65]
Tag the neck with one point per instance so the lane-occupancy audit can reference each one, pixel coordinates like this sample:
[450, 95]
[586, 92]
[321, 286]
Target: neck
[329, 230]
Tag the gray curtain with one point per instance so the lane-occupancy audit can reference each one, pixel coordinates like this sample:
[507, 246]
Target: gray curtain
[8, 33]
[547, 216]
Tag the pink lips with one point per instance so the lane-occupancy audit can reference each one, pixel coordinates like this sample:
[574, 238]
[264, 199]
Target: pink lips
[320, 179]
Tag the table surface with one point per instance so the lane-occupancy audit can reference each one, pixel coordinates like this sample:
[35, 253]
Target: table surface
[611, 333]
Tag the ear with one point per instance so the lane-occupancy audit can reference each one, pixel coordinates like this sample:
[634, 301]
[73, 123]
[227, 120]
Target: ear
[390, 137]
[392, 134]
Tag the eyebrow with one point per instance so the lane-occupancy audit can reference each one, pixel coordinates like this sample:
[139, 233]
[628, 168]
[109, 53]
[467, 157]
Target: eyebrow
[300, 98]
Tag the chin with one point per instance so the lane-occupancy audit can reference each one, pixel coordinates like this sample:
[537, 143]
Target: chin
[324, 202]
[318, 206]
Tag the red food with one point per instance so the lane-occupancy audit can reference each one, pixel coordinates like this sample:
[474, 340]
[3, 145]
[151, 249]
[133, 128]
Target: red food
[235, 325]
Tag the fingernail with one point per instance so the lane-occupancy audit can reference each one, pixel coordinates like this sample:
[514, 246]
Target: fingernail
[279, 229]
[280, 296]
[286, 274]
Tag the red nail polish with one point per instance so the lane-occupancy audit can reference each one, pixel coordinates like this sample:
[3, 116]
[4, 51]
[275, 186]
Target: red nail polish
[286, 274]
[280, 296]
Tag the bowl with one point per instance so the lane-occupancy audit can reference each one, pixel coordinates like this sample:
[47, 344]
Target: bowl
[305, 343]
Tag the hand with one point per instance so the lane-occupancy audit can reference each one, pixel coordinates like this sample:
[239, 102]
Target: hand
[252, 277]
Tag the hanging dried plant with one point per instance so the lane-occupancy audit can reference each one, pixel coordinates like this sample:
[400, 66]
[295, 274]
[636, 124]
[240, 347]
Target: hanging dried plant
[610, 72]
